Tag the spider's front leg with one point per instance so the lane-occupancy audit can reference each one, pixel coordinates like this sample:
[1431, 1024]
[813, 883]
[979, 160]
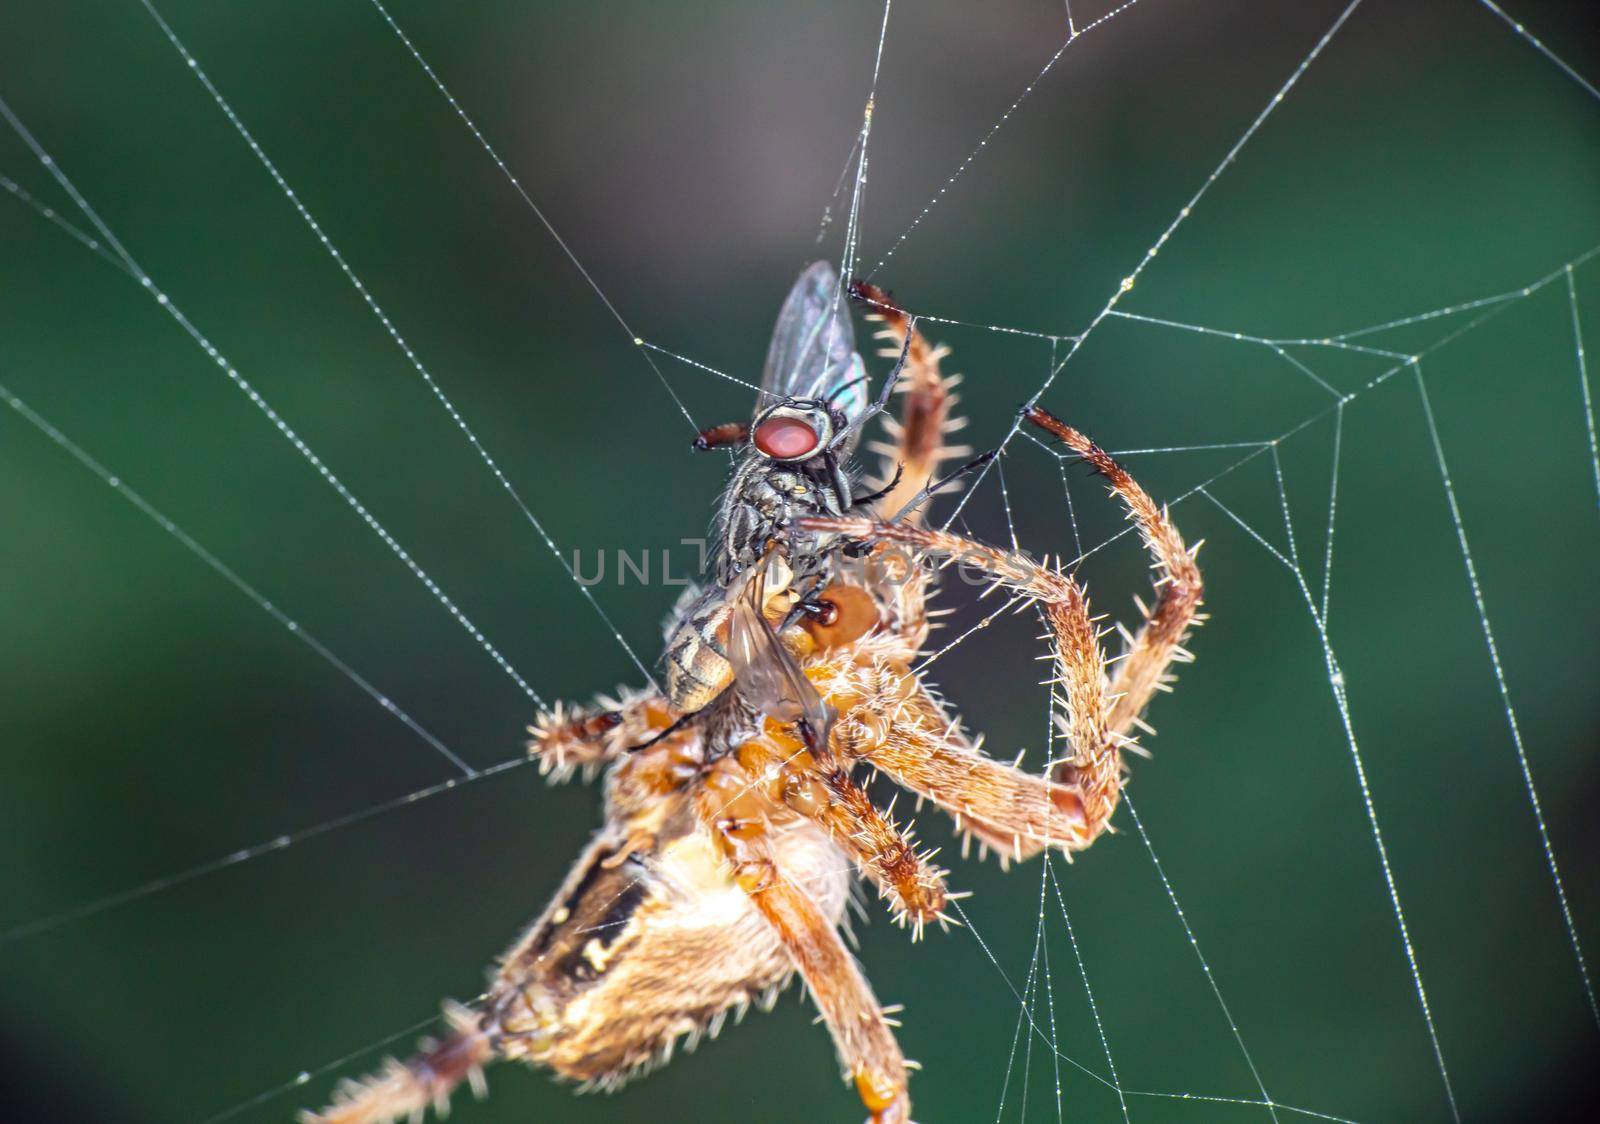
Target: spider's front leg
[901, 729]
[570, 738]
[919, 448]
[736, 816]
[1159, 641]
[1097, 715]
[1097, 767]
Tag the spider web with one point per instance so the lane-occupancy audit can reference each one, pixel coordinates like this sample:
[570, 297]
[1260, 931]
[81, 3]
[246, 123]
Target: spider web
[1277, 509]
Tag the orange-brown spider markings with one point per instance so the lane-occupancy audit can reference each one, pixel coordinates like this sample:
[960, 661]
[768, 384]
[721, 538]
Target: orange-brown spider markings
[723, 869]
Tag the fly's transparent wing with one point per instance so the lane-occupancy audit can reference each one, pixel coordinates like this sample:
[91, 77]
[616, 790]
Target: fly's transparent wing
[813, 350]
[767, 674]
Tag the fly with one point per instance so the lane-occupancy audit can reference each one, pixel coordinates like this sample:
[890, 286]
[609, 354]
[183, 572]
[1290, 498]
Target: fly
[793, 461]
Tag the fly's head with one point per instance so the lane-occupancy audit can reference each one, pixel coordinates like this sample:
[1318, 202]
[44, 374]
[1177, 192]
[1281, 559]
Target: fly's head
[794, 464]
[795, 452]
[796, 431]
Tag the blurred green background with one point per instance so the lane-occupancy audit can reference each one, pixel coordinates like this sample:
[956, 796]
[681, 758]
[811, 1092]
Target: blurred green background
[152, 719]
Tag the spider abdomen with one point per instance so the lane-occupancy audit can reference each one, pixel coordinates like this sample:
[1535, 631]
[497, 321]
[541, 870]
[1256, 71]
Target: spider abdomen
[655, 947]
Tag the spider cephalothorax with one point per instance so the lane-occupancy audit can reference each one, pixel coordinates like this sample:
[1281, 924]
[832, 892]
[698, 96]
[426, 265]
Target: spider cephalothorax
[728, 850]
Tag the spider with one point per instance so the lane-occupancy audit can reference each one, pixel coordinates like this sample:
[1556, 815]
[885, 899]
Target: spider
[730, 849]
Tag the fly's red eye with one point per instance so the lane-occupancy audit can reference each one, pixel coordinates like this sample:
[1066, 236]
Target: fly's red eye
[785, 438]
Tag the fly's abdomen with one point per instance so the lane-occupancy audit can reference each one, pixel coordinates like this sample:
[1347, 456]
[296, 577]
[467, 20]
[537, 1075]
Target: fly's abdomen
[697, 667]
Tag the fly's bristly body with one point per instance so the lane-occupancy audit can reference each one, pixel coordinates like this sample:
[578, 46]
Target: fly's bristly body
[796, 450]
[791, 460]
[735, 830]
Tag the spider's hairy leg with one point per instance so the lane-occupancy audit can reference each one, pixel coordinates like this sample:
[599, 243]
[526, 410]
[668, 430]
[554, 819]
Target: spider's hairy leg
[568, 739]
[1095, 770]
[901, 729]
[1096, 716]
[821, 790]
[925, 421]
[1159, 640]
[408, 1089]
[866, 1046]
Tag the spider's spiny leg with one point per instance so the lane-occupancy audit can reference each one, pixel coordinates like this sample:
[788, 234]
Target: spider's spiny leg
[824, 792]
[406, 1090]
[570, 738]
[866, 1045]
[1159, 640]
[906, 733]
[925, 416]
[1097, 763]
